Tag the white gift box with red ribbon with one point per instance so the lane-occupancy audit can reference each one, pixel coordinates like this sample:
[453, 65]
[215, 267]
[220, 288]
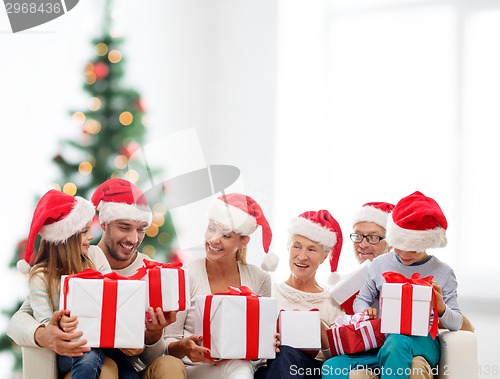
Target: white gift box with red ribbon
[406, 304]
[237, 324]
[344, 292]
[300, 329]
[109, 308]
[167, 285]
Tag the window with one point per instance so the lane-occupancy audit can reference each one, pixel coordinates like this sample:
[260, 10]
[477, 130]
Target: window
[409, 87]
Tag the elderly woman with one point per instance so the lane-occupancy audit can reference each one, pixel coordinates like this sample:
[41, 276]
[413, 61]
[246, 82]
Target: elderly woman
[313, 237]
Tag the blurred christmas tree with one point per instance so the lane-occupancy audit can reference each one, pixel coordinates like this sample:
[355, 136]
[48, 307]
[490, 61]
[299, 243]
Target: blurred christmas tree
[112, 130]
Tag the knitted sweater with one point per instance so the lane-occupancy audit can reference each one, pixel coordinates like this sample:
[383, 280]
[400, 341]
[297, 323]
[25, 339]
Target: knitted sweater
[442, 273]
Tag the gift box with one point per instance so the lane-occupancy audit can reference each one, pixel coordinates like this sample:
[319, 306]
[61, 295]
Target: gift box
[167, 285]
[237, 324]
[354, 334]
[344, 292]
[110, 308]
[406, 304]
[307, 336]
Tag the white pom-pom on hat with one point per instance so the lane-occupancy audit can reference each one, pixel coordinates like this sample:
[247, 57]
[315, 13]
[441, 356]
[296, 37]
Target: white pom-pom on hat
[333, 278]
[23, 267]
[270, 262]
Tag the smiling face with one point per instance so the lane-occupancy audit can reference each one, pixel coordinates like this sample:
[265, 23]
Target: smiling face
[222, 243]
[305, 256]
[410, 257]
[121, 240]
[85, 238]
[363, 250]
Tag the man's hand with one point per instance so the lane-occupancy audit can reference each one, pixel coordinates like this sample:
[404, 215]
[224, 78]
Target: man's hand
[59, 341]
[155, 322]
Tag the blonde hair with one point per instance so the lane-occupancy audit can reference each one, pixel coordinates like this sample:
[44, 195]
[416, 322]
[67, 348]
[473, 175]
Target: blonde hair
[241, 255]
[56, 259]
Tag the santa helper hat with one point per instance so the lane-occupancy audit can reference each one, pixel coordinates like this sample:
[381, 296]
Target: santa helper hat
[119, 199]
[57, 217]
[417, 224]
[242, 214]
[376, 212]
[322, 228]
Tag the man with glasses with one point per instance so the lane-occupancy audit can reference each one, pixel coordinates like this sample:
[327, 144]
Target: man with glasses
[368, 234]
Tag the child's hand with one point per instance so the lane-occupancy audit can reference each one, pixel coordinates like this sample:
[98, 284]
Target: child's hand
[68, 323]
[439, 296]
[372, 312]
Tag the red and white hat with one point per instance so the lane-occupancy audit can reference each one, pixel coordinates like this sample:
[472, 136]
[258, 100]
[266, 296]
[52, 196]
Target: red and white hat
[376, 212]
[241, 214]
[417, 224]
[57, 217]
[119, 199]
[322, 228]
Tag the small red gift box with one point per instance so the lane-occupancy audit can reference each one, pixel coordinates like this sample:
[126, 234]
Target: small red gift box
[237, 324]
[354, 334]
[405, 305]
[344, 292]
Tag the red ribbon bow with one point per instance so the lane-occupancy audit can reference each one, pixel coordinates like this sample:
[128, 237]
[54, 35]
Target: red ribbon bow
[252, 313]
[235, 291]
[407, 297]
[149, 265]
[396, 277]
[110, 301]
[90, 273]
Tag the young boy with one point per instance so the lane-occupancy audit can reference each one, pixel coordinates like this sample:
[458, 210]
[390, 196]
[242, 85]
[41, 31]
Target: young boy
[417, 224]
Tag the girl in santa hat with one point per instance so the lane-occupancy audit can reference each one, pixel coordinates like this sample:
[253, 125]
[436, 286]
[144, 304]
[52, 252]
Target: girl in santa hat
[64, 224]
[232, 219]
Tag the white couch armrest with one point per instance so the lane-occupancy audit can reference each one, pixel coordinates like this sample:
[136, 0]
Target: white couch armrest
[458, 355]
[39, 363]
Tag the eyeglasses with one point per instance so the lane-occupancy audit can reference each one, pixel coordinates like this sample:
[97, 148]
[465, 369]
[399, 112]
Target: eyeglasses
[370, 238]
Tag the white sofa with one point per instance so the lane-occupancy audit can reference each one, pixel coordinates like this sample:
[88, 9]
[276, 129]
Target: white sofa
[458, 355]
[41, 363]
[458, 358]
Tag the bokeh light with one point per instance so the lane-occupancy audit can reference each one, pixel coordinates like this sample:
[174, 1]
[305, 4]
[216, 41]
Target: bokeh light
[126, 118]
[70, 188]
